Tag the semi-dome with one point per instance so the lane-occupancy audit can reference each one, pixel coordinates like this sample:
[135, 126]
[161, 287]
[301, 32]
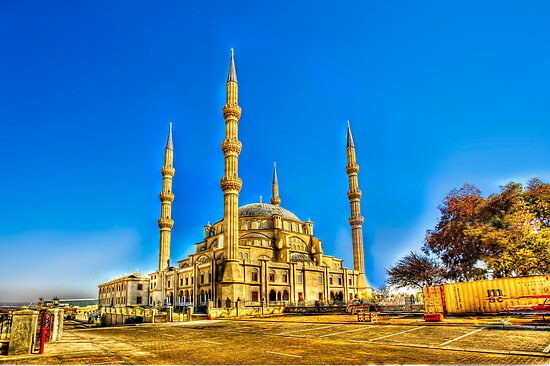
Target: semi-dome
[265, 209]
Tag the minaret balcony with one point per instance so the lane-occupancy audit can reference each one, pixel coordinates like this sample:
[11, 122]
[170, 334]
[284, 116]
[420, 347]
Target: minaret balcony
[356, 221]
[233, 146]
[165, 223]
[354, 195]
[166, 197]
[231, 112]
[168, 171]
[353, 168]
[231, 184]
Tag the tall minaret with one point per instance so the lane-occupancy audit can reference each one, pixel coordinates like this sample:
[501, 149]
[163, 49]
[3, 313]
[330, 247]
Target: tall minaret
[231, 185]
[355, 220]
[275, 199]
[166, 198]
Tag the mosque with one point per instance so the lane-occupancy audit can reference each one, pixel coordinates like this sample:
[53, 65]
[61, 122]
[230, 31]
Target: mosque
[257, 254]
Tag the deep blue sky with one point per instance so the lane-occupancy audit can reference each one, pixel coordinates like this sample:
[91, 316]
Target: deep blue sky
[438, 94]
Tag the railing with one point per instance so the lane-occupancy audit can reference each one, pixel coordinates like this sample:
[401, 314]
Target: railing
[5, 325]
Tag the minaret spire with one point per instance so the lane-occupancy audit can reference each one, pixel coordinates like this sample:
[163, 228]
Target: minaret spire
[169, 144]
[232, 75]
[356, 220]
[275, 199]
[231, 185]
[350, 137]
[165, 221]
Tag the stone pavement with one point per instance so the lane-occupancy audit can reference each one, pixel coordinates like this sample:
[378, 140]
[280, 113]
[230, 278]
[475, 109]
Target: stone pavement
[271, 341]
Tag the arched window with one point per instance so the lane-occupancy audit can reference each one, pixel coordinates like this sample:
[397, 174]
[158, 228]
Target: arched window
[330, 280]
[240, 255]
[285, 277]
[320, 279]
[255, 275]
[285, 295]
[202, 277]
[272, 276]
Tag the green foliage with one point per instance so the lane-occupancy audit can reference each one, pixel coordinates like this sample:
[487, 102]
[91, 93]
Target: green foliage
[505, 234]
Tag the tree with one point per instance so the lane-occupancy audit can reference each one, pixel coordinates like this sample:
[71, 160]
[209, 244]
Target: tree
[505, 234]
[415, 270]
[451, 240]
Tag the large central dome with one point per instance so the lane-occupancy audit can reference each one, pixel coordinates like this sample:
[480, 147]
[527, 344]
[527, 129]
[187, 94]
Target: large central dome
[265, 209]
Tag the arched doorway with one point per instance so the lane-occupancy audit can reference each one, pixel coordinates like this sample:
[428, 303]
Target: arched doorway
[285, 295]
[332, 295]
[272, 296]
[279, 296]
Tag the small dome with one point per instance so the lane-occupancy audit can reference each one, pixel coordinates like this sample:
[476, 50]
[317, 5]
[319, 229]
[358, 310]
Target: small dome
[266, 209]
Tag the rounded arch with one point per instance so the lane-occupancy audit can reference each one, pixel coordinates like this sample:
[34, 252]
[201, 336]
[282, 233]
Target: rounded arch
[203, 259]
[272, 295]
[285, 295]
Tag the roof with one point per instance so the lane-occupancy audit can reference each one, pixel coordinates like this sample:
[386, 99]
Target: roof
[265, 209]
[300, 257]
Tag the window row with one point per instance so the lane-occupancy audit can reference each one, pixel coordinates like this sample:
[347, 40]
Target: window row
[266, 243]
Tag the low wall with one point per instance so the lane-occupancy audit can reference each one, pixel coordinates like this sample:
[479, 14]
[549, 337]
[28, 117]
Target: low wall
[237, 312]
[417, 308]
[315, 309]
[118, 316]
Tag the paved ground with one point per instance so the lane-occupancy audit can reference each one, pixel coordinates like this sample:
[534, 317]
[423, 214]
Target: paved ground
[296, 340]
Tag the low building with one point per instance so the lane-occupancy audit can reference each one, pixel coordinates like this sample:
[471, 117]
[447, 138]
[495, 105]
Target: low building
[129, 290]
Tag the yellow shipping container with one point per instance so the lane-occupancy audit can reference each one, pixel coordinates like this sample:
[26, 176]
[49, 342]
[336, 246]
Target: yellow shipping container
[486, 296]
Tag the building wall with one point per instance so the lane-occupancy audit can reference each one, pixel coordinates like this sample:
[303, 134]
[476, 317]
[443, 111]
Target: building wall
[124, 291]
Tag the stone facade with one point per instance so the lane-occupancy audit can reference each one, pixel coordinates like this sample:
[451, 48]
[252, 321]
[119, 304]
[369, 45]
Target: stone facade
[125, 291]
[257, 254]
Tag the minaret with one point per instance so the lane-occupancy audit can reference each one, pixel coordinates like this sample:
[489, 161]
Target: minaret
[231, 185]
[275, 199]
[355, 220]
[166, 198]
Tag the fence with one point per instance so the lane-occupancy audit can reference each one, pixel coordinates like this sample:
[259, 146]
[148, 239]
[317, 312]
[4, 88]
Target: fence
[5, 330]
[5, 325]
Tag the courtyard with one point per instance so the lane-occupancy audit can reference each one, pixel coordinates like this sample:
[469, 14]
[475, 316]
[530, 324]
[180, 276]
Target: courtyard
[296, 340]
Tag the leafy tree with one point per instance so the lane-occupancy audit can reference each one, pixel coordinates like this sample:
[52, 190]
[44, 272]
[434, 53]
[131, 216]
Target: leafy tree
[451, 240]
[505, 234]
[415, 270]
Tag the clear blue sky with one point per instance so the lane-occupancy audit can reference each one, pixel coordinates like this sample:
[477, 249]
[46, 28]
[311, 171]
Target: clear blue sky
[438, 93]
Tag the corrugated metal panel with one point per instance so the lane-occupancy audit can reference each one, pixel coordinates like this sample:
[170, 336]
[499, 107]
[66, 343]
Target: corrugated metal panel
[486, 296]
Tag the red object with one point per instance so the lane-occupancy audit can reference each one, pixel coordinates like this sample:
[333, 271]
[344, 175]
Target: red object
[42, 339]
[433, 317]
